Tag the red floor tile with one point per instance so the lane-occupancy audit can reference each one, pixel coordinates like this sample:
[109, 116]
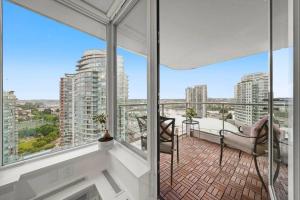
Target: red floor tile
[199, 176]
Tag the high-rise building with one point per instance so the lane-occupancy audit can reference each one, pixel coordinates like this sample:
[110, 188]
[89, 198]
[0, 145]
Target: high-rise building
[10, 132]
[122, 97]
[83, 95]
[66, 121]
[89, 95]
[253, 88]
[195, 96]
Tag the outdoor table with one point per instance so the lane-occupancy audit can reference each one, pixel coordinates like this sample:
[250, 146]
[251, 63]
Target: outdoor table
[192, 124]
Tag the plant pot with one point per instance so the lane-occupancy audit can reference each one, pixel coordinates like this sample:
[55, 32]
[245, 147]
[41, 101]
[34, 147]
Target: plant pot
[106, 144]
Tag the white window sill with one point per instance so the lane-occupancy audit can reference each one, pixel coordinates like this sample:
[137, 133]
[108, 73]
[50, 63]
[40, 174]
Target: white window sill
[129, 159]
[133, 162]
[11, 173]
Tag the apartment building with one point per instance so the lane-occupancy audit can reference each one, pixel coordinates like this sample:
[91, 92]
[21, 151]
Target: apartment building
[122, 97]
[66, 122]
[252, 89]
[197, 95]
[83, 95]
[10, 133]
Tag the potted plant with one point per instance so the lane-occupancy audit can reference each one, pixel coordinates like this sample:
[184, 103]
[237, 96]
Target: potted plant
[106, 141]
[190, 113]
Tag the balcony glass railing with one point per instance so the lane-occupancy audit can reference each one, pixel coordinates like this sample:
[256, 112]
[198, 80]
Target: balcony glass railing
[129, 129]
[212, 117]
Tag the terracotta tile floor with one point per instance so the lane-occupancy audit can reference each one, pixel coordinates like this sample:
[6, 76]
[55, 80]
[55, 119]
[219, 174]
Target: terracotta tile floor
[198, 175]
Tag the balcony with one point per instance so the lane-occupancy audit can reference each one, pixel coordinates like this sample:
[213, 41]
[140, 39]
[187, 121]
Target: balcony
[198, 175]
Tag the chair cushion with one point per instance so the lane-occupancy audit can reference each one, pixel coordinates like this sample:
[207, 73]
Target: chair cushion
[258, 129]
[243, 144]
[166, 147]
[264, 132]
[246, 129]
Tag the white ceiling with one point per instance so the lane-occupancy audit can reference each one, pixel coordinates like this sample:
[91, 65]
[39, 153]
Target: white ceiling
[193, 33]
[103, 5]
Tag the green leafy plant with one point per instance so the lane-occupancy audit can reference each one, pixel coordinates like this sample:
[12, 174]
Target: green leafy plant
[190, 113]
[101, 119]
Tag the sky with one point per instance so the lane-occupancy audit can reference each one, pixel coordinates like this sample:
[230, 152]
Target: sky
[38, 51]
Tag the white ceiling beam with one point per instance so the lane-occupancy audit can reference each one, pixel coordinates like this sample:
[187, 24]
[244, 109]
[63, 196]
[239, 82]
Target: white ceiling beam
[114, 8]
[80, 7]
[123, 11]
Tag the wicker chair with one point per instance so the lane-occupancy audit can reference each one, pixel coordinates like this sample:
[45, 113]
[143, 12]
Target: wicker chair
[254, 142]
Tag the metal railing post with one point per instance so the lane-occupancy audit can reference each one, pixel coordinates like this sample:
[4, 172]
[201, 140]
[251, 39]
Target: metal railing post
[186, 107]
[223, 119]
[120, 121]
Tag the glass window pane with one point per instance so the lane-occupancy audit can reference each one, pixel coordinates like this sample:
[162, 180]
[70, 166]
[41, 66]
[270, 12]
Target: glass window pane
[132, 78]
[54, 83]
[283, 98]
[213, 80]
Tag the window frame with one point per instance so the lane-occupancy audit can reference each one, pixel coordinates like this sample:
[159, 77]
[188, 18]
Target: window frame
[50, 154]
[294, 146]
[152, 75]
[152, 70]
[152, 87]
[294, 174]
[1, 83]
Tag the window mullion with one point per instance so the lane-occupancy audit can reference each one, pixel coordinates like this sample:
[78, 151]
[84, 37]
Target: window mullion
[111, 78]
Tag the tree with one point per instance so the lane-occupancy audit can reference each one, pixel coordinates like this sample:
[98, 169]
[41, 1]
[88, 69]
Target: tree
[47, 111]
[29, 106]
[27, 132]
[52, 136]
[46, 129]
[223, 110]
[50, 118]
[40, 142]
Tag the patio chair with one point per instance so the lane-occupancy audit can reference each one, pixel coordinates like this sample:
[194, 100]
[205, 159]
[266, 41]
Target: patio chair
[166, 135]
[253, 142]
[142, 122]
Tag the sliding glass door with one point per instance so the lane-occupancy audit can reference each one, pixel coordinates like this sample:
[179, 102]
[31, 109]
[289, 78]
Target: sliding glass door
[223, 49]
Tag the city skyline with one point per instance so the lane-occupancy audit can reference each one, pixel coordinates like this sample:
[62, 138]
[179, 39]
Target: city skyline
[46, 60]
